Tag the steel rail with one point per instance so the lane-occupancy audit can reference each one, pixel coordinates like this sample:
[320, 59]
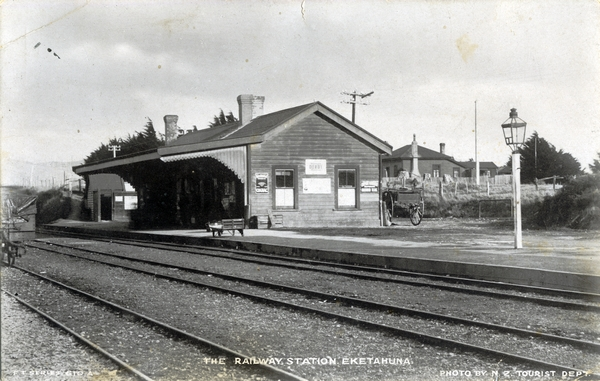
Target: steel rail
[330, 297]
[378, 306]
[82, 339]
[176, 331]
[269, 262]
[443, 278]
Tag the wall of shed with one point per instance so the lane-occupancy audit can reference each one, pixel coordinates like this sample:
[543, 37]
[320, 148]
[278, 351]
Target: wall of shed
[24, 228]
[314, 138]
[107, 182]
[482, 172]
[123, 204]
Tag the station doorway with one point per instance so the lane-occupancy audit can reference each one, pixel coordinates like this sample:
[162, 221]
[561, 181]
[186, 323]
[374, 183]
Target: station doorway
[106, 207]
[207, 191]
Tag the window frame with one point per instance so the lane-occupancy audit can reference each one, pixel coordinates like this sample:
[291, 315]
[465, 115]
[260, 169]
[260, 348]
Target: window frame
[456, 172]
[274, 170]
[337, 170]
[435, 167]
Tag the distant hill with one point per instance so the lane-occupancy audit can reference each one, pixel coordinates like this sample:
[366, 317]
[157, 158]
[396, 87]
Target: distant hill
[37, 175]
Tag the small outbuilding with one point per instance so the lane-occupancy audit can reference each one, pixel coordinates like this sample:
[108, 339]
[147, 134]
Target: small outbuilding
[486, 169]
[305, 166]
[20, 221]
[109, 198]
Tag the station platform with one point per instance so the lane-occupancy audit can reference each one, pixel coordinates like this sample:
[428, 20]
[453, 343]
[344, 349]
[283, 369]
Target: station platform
[562, 259]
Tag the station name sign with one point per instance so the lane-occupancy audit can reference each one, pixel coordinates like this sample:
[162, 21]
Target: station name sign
[316, 167]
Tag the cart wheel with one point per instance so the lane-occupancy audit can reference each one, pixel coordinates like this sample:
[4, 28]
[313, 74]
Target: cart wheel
[416, 215]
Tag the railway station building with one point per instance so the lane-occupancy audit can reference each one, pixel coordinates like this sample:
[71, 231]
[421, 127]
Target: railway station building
[306, 166]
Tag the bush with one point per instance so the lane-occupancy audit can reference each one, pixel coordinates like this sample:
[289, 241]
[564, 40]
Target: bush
[51, 206]
[456, 206]
[576, 205]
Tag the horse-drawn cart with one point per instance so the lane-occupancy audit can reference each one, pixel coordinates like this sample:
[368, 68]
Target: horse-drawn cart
[395, 200]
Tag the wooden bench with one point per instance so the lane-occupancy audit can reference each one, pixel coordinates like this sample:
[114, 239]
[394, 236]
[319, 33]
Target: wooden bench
[230, 225]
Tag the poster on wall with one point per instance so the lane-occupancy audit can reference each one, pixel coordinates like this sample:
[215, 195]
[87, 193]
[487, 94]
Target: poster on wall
[130, 202]
[369, 186]
[262, 182]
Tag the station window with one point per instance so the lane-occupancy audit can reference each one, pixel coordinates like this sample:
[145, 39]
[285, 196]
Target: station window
[347, 188]
[285, 188]
[436, 170]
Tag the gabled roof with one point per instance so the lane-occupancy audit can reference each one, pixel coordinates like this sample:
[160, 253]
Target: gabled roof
[482, 164]
[235, 134]
[405, 152]
[263, 127]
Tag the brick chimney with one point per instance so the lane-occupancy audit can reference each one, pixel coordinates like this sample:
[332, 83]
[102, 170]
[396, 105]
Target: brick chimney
[443, 148]
[171, 129]
[251, 106]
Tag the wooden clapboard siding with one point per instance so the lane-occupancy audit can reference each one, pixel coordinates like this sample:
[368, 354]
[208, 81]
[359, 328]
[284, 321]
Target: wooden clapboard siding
[315, 138]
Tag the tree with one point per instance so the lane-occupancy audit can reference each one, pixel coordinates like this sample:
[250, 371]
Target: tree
[595, 166]
[138, 142]
[222, 119]
[540, 159]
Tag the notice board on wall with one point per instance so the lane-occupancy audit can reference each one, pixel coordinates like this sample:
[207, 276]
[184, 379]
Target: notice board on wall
[316, 185]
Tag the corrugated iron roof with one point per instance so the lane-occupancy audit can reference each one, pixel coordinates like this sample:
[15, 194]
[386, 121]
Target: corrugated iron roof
[405, 152]
[258, 126]
[265, 123]
[482, 164]
[206, 134]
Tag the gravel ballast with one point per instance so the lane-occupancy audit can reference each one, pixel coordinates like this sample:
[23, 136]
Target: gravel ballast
[33, 349]
[265, 331]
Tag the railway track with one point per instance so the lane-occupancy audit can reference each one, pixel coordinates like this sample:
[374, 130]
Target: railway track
[563, 299]
[182, 355]
[354, 310]
[101, 351]
[473, 286]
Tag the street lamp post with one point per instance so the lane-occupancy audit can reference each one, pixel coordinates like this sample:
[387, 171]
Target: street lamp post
[514, 137]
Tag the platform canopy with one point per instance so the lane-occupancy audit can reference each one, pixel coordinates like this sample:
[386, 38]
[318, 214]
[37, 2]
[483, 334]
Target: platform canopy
[233, 158]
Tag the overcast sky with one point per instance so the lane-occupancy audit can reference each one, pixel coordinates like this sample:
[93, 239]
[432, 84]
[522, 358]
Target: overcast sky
[426, 61]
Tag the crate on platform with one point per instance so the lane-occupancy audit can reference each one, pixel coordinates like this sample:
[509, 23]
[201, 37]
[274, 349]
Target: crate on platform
[276, 221]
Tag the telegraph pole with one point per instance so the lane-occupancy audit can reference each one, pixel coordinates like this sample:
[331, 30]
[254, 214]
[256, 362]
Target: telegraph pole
[354, 95]
[114, 149]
